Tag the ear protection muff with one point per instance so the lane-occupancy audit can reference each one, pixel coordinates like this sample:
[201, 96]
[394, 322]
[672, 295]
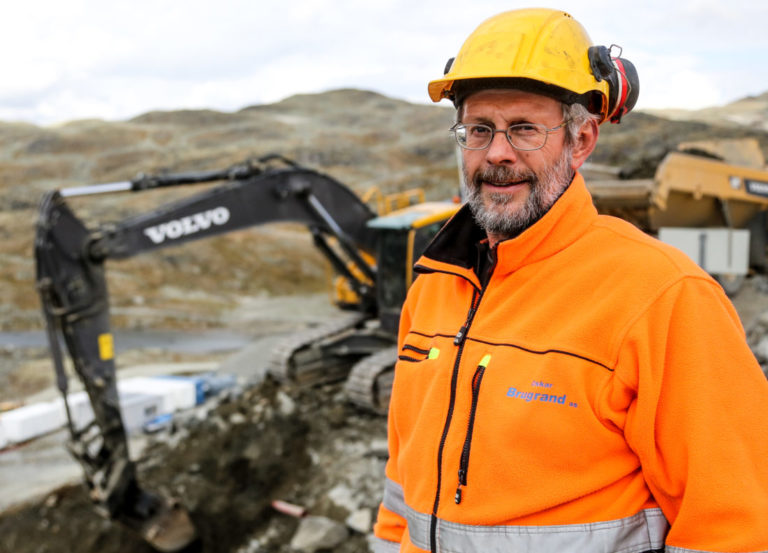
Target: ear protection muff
[448, 65]
[623, 82]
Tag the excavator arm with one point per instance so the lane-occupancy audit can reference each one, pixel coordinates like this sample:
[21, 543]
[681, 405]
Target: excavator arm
[72, 286]
[253, 196]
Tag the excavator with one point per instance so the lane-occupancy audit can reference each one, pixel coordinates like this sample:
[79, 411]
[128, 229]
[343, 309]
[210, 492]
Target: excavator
[371, 252]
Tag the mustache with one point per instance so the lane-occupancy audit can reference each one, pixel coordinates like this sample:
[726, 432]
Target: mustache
[499, 173]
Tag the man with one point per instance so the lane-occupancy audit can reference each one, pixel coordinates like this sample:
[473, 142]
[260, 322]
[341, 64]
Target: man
[565, 382]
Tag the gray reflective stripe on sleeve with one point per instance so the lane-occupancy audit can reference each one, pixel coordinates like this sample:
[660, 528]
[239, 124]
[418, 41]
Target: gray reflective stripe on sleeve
[418, 523]
[671, 549]
[378, 545]
[394, 499]
[641, 532]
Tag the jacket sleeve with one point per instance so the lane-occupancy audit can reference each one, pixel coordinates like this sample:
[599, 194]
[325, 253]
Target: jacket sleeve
[391, 523]
[698, 418]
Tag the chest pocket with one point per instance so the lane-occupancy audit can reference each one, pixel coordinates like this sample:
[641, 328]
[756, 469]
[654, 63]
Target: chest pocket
[413, 354]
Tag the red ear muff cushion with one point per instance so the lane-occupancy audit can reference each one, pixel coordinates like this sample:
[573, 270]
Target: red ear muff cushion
[618, 95]
[623, 83]
[624, 89]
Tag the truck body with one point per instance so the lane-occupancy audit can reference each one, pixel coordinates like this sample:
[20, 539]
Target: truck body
[712, 209]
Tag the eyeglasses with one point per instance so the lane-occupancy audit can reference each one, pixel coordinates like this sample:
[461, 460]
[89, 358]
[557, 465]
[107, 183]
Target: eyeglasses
[522, 136]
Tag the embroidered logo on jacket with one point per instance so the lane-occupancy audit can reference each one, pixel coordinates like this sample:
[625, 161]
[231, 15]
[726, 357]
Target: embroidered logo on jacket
[528, 396]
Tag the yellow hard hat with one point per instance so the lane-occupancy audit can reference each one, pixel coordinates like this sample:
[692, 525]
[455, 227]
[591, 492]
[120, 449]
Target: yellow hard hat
[544, 51]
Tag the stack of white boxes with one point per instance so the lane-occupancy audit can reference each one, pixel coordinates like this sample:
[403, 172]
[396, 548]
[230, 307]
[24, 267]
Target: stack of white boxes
[141, 400]
[23, 423]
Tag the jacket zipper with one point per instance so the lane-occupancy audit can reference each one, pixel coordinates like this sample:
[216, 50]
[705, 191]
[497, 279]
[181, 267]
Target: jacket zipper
[459, 340]
[477, 379]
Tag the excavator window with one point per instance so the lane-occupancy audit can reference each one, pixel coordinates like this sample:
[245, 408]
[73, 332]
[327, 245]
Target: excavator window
[391, 281]
[398, 251]
[421, 237]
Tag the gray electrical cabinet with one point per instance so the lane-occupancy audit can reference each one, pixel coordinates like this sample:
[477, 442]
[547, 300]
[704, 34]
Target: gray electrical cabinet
[719, 251]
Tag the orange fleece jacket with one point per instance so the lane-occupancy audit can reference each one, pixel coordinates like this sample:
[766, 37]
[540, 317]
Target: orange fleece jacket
[615, 379]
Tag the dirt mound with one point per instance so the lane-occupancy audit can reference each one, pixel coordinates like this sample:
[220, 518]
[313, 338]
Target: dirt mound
[227, 463]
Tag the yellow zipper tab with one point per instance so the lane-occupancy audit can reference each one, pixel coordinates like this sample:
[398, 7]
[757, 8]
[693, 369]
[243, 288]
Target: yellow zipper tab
[434, 353]
[484, 361]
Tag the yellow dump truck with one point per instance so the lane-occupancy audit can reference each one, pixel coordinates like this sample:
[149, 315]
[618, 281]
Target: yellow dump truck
[713, 209]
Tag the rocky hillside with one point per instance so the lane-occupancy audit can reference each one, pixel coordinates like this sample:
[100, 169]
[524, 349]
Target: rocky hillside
[361, 138]
[751, 112]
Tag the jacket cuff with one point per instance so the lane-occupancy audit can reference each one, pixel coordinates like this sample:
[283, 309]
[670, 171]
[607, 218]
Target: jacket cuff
[378, 545]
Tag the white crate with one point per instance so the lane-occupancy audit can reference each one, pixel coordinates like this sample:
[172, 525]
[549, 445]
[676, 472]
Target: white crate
[175, 393]
[30, 421]
[136, 408]
[79, 409]
[141, 399]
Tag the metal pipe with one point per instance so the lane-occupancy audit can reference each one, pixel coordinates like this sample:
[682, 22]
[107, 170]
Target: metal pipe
[107, 188]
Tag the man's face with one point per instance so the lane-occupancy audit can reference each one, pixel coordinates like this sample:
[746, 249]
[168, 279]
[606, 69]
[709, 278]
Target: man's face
[508, 190]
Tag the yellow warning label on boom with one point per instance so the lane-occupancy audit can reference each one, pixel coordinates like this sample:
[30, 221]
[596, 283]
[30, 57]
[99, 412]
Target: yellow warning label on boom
[106, 347]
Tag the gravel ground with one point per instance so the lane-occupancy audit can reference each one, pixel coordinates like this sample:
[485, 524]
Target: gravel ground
[230, 458]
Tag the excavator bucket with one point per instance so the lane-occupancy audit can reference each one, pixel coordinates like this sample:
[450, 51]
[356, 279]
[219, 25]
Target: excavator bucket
[161, 521]
[170, 530]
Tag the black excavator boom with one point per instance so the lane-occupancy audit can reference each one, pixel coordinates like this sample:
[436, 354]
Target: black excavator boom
[71, 282]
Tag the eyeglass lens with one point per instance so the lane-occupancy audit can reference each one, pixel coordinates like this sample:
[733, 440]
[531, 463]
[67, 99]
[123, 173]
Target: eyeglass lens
[525, 136]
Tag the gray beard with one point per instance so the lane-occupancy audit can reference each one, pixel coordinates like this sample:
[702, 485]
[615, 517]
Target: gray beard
[494, 212]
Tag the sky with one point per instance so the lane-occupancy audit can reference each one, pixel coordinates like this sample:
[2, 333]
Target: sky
[113, 59]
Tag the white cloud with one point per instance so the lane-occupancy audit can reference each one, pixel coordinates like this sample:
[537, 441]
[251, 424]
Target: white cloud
[676, 82]
[89, 58]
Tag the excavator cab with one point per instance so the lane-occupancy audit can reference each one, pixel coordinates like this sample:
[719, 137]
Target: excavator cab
[402, 237]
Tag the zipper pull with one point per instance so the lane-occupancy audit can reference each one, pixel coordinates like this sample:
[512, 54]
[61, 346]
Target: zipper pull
[462, 482]
[460, 335]
[477, 379]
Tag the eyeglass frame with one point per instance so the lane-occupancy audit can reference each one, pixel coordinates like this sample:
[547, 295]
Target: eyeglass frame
[543, 129]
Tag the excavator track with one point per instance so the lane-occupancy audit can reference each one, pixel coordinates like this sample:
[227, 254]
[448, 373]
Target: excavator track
[369, 384]
[302, 359]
